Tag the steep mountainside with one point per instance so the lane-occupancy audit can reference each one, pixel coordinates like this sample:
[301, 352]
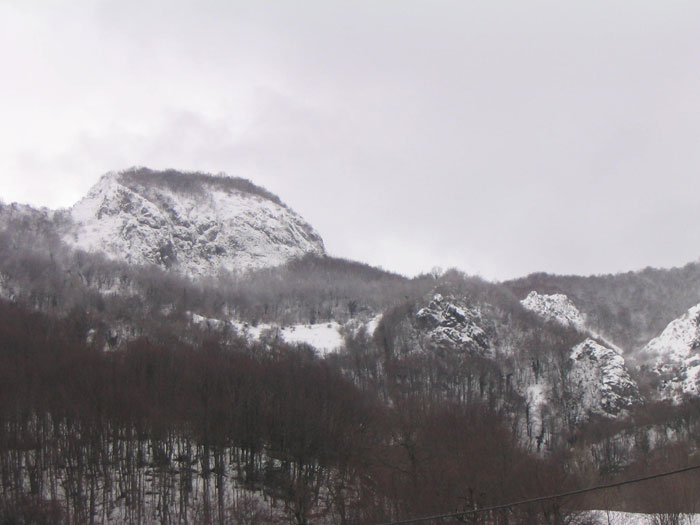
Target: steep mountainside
[675, 356]
[195, 224]
[598, 380]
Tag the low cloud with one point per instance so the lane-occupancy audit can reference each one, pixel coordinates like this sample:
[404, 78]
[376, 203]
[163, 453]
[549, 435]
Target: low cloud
[498, 139]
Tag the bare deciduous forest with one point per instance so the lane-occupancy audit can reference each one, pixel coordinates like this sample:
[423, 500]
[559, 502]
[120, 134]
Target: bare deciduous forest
[221, 431]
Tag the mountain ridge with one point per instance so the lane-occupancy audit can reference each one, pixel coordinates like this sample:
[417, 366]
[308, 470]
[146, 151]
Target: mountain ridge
[194, 223]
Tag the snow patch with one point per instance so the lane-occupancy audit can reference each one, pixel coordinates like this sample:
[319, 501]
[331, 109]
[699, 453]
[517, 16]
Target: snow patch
[372, 324]
[323, 337]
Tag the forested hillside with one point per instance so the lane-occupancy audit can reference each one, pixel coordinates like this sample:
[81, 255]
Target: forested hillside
[222, 432]
[313, 389]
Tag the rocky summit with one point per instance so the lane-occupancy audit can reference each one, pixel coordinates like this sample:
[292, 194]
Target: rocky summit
[194, 223]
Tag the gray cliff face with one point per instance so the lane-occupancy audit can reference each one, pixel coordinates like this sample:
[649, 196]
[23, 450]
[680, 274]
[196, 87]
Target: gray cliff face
[193, 224]
[599, 382]
[449, 326]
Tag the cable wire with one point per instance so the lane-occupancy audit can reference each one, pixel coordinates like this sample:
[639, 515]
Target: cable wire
[544, 498]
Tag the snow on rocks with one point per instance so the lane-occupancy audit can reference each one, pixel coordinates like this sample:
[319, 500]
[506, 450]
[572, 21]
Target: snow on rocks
[451, 325]
[599, 381]
[557, 307]
[676, 355]
[197, 231]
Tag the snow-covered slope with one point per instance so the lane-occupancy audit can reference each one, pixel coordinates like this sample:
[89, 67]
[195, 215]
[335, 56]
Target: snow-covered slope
[557, 307]
[323, 337]
[676, 355]
[195, 224]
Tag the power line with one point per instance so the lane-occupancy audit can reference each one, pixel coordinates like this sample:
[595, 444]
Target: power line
[544, 498]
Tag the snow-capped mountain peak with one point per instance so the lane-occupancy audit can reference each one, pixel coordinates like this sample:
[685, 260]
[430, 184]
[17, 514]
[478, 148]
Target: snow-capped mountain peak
[193, 223]
[557, 307]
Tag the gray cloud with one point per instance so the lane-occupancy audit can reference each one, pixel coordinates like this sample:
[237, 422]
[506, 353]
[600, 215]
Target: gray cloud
[501, 138]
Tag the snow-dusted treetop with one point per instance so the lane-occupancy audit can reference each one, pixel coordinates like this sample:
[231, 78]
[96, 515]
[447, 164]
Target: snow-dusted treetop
[557, 307]
[196, 224]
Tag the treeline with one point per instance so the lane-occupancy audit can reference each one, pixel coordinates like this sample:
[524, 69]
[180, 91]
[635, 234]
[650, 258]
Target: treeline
[315, 289]
[192, 183]
[203, 434]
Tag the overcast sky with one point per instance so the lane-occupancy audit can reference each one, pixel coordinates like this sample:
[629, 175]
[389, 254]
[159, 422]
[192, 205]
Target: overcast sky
[499, 137]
